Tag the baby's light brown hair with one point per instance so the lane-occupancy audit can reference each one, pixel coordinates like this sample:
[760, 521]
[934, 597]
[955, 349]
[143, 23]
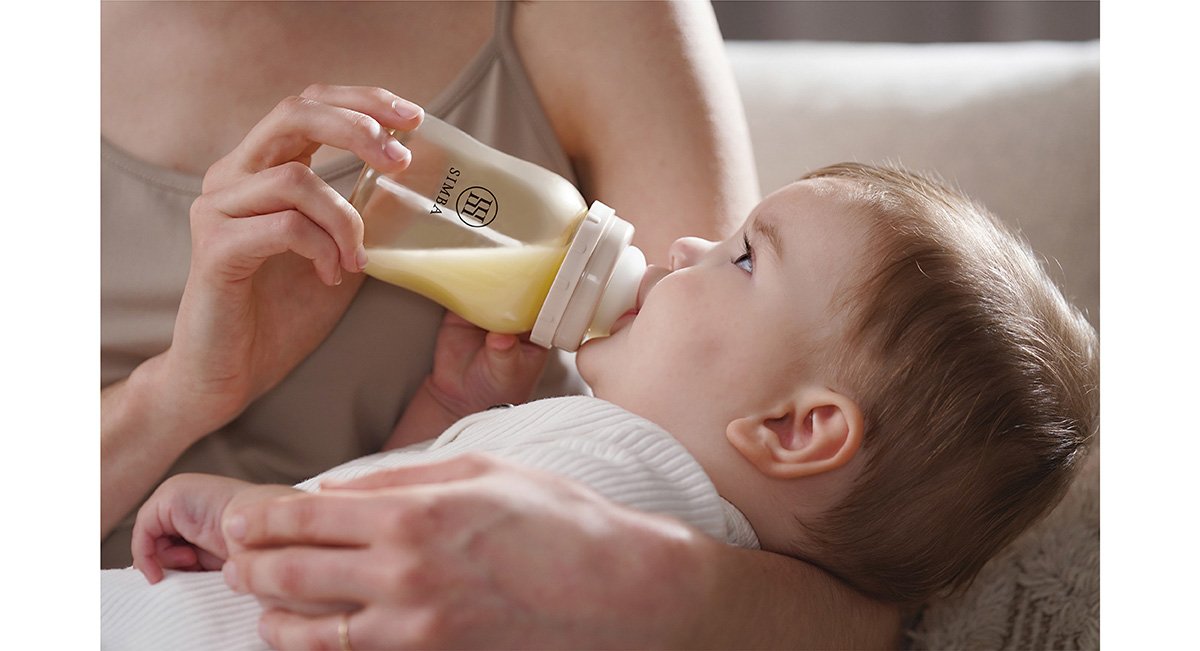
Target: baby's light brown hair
[978, 383]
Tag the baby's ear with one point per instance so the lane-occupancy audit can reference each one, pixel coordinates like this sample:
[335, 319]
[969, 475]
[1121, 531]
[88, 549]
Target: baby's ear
[818, 430]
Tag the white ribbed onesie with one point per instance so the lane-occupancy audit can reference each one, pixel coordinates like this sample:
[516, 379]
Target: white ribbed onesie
[622, 456]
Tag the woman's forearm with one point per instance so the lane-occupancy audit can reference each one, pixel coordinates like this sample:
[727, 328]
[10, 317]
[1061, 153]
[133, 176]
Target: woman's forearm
[139, 441]
[760, 600]
[666, 145]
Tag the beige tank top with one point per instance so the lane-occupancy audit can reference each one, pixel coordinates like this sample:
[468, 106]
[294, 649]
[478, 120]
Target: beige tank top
[343, 400]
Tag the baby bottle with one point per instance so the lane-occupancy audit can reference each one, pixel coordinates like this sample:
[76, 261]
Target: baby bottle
[506, 244]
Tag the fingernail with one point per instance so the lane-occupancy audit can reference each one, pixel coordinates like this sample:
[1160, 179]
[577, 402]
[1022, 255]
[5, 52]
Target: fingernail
[406, 110]
[361, 257]
[395, 150]
[231, 575]
[236, 527]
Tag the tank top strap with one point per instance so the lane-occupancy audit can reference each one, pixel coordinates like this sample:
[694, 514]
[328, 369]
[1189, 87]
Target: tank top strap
[502, 31]
[521, 90]
[476, 71]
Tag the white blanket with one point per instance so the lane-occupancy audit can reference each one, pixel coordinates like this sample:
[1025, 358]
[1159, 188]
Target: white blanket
[618, 454]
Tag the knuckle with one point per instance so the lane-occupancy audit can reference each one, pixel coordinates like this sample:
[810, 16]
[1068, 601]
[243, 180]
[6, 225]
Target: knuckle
[293, 173]
[292, 104]
[382, 96]
[216, 173]
[268, 629]
[399, 524]
[290, 224]
[399, 577]
[315, 90]
[366, 127]
[310, 638]
[289, 577]
[282, 631]
[200, 207]
[430, 626]
[303, 517]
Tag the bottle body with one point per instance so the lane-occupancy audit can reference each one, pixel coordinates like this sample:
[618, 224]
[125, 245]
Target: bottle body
[485, 234]
[500, 289]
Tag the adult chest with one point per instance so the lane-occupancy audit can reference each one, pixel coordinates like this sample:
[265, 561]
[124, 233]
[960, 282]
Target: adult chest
[179, 91]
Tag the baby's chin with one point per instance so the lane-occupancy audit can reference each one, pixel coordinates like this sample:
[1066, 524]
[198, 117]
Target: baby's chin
[588, 360]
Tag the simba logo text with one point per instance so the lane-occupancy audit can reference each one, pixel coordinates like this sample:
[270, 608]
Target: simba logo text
[443, 197]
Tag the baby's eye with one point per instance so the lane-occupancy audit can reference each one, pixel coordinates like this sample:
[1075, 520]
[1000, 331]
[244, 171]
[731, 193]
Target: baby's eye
[745, 261]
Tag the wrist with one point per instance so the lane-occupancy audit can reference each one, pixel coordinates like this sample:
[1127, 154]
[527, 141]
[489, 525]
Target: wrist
[142, 433]
[695, 561]
[670, 603]
[152, 400]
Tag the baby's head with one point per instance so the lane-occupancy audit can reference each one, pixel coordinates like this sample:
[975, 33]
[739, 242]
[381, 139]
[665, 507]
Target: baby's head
[876, 372]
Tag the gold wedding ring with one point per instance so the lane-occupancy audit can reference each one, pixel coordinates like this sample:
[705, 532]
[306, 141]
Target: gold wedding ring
[344, 632]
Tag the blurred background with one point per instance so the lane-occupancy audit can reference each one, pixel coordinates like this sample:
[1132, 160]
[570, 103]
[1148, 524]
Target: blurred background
[909, 21]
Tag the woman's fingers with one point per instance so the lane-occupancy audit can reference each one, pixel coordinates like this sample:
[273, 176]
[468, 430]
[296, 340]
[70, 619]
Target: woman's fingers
[391, 110]
[467, 466]
[242, 245]
[295, 186]
[267, 174]
[342, 519]
[298, 125]
[287, 630]
[283, 629]
[295, 575]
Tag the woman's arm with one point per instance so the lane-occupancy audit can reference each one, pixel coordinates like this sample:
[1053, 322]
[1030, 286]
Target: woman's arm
[479, 553]
[644, 101]
[140, 437]
[767, 601]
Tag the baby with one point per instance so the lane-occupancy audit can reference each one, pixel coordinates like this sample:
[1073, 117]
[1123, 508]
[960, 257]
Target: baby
[872, 375]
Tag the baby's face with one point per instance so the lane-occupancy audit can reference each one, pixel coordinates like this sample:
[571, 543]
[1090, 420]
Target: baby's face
[727, 328]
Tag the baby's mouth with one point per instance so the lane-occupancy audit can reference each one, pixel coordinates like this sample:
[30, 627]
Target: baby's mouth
[624, 320]
[650, 278]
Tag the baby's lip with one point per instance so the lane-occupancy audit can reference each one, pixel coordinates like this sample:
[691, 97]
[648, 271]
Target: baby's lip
[650, 278]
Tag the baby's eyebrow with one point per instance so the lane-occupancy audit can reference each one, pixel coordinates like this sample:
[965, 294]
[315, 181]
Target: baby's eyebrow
[770, 233]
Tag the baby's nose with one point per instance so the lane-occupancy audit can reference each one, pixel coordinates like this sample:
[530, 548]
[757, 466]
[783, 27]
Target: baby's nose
[685, 251]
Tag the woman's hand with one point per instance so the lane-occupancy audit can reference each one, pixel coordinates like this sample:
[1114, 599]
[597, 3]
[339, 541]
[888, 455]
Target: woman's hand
[472, 552]
[270, 243]
[472, 370]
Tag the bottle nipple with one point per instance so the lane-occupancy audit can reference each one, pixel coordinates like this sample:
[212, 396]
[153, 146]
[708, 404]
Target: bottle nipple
[620, 295]
[597, 282]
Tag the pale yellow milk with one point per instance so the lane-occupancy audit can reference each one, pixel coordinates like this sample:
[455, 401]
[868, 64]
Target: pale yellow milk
[500, 289]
